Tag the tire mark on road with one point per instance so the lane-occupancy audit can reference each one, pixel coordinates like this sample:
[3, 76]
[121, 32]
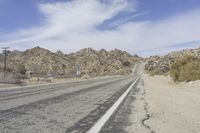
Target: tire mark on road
[120, 119]
[87, 122]
[20, 110]
[39, 91]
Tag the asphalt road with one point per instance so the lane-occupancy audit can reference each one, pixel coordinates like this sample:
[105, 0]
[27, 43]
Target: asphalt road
[59, 108]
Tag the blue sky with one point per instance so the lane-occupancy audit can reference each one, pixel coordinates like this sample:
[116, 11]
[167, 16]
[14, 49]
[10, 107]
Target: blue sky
[144, 27]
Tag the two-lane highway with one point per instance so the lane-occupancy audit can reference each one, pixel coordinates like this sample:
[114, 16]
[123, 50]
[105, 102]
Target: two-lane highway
[59, 108]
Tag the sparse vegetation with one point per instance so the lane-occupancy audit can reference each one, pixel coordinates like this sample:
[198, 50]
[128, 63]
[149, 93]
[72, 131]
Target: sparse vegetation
[186, 68]
[156, 71]
[157, 66]
[180, 65]
[42, 62]
[126, 64]
[20, 68]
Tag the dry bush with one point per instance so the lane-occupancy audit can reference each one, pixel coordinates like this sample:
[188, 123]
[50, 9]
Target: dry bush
[126, 64]
[156, 71]
[20, 68]
[186, 68]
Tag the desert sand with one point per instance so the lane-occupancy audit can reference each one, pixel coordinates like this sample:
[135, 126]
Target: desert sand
[162, 106]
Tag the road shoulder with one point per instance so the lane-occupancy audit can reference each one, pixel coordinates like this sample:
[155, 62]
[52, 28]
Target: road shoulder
[172, 107]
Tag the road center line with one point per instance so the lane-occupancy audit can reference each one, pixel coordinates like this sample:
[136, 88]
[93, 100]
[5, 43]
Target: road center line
[96, 128]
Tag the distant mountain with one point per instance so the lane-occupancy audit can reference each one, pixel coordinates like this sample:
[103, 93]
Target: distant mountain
[93, 63]
[103, 62]
[177, 54]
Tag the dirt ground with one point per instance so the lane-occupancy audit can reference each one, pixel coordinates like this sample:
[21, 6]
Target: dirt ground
[163, 106]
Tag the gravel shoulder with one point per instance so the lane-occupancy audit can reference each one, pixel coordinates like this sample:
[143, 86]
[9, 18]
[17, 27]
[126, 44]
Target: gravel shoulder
[162, 106]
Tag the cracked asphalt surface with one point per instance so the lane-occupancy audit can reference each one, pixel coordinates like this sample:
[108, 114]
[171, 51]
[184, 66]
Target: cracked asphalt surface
[120, 119]
[59, 108]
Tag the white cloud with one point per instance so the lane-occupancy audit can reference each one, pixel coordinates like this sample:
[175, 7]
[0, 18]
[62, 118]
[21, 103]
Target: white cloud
[71, 26]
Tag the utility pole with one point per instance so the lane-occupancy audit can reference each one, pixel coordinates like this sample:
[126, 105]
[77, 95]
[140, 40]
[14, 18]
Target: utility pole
[5, 59]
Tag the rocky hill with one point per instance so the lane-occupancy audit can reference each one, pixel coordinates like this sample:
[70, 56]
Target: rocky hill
[102, 62]
[162, 64]
[93, 63]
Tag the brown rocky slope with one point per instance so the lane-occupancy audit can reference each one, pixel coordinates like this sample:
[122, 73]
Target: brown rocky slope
[158, 65]
[93, 63]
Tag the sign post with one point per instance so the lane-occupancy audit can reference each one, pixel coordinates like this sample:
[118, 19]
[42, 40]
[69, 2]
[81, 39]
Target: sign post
[78, 72]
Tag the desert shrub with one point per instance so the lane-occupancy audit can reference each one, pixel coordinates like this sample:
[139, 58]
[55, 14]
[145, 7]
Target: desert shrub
[126, 64]
[20, 68]
[186, 68]
[156, 71]
[159, 70]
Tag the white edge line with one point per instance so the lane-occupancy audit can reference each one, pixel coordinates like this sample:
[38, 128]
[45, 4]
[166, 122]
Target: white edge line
[96, 128]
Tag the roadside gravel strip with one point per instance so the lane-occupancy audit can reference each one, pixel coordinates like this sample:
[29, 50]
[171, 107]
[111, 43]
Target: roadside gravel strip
[58, 108]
